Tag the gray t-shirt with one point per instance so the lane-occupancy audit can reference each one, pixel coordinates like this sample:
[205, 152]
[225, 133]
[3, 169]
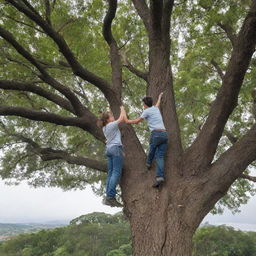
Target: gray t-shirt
[112, 134]
[154, 118]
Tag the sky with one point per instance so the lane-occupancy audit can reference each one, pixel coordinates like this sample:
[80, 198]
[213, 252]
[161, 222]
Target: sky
[23, 204]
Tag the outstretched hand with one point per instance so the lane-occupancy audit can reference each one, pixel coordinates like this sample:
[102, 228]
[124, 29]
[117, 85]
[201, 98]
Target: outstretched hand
[159, 99]
[160, 95]
[123, 113]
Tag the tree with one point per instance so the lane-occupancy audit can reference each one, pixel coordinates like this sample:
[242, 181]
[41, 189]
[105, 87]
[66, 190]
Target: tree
[56, 76]
[223, 240]
[94, 234]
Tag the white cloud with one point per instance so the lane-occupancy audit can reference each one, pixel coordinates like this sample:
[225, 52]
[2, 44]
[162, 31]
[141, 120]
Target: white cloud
[26, 204]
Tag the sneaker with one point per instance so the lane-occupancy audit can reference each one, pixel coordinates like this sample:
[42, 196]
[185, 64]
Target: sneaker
[159, 181]
[111, 201]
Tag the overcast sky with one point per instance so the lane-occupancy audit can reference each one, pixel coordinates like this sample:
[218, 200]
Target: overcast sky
[25, 204]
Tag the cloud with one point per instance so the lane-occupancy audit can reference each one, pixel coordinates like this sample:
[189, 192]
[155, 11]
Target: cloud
[26, 204]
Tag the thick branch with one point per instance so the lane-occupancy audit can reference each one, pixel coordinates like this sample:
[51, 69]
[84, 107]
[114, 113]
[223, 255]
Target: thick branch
[114, 54]
[167, 11]
[110, 15]
[30, 7]
[222, 174]
[48, 154]
[77, 68]
[137, 72]
[87, 123]
[234, 161]
[31, 87]
[156, 16]
[47, 11]
[143, 11]
[51, 154]
[204, 147]
[229, 31]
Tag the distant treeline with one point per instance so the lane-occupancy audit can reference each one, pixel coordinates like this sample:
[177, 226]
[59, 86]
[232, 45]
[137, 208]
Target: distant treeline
[100, 234]
[7, 229]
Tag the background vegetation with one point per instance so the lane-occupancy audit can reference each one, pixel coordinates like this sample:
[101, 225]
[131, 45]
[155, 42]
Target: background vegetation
[100, 234]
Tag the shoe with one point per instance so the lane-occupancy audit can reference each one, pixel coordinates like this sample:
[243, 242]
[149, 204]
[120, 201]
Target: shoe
[159, 181]
[148, 166]
[111, 201]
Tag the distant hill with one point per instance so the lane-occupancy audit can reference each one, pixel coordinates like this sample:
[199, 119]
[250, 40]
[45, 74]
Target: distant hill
[101, 234]
[95, 234]
[11, 230]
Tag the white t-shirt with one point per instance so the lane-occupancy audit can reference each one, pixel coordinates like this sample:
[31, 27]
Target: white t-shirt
[112, 134]
[154, 118]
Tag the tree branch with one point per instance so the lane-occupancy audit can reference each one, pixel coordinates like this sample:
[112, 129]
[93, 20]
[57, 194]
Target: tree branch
[114, 54]
[49, 154]
[156, 17]
[225, 27]
[253, 93]
[64, 25]
[47, 11]
[248, 177]
[77, 68]
[205, 145]
[167, 12]
[234, 161]
[78, 107]
[143, 11]
[29, 6]
[231, 137]
[229, 31]
[23, 23]
[87, 123]
[218, 69]
[138, 73]
[31, 87]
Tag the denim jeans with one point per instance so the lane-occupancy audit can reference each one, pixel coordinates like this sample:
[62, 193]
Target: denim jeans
[115, 158]
[157, 150]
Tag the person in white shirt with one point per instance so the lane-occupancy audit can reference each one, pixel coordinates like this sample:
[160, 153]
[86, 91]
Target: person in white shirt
[158, 138]
[114, 153]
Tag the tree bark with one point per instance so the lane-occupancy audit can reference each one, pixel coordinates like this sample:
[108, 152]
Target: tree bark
[166, 234]
[162, 222]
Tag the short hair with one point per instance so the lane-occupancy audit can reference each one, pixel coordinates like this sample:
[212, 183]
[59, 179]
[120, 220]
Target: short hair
[148, 101]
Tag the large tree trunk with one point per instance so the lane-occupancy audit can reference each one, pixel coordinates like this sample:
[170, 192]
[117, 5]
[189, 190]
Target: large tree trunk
[161, 232]
[161, 220]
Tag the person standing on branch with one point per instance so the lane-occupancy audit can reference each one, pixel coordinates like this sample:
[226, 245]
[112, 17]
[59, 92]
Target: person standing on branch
[114, 153]
[158, 139]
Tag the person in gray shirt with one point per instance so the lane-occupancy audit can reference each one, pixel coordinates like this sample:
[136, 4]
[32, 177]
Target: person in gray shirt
[158, 138]
[114, 153]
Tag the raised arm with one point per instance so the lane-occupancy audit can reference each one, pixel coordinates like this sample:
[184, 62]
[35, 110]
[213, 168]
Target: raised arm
[122, 116]
[159, 99]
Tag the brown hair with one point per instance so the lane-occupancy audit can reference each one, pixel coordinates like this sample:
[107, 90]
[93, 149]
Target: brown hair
[148, 101]
[103, 119]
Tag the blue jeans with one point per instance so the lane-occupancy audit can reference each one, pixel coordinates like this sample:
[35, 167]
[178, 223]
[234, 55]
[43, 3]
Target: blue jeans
[115, 158]
[157, 150]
